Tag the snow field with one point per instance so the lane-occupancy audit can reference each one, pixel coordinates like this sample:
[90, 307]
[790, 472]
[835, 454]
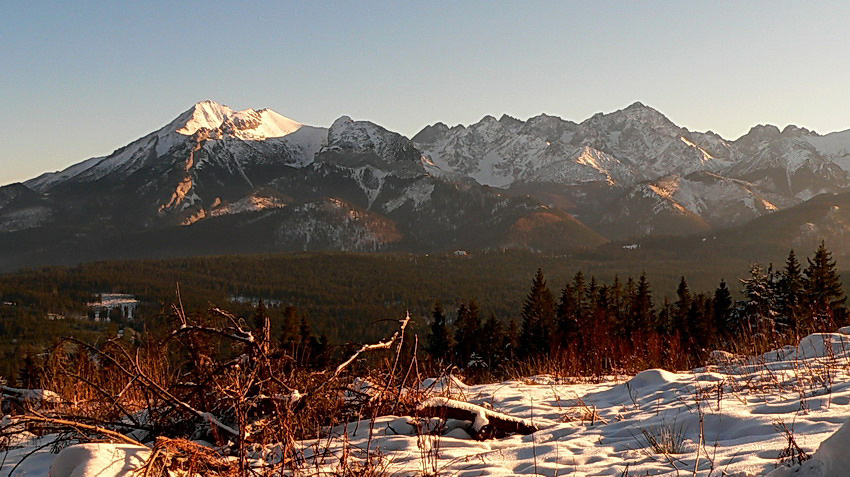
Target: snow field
[724, 419]
[728, 418]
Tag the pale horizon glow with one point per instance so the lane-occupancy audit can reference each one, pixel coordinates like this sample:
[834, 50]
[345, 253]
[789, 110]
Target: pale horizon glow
[82, 79]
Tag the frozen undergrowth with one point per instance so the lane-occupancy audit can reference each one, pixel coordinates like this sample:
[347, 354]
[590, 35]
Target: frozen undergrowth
[740, 416]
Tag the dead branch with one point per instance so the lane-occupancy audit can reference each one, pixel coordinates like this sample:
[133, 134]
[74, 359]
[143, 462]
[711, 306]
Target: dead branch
[78, 425]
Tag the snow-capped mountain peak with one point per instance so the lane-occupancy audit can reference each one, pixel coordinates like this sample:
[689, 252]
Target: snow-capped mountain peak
[214, 120]
[204, 114]
[362, 141]
[247, 124]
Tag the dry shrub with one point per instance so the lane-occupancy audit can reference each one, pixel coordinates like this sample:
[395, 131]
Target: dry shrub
[217, 379]
[182, 457]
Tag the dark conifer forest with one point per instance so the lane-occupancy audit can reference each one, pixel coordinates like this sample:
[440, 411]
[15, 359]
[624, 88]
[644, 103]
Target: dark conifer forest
[483, 314]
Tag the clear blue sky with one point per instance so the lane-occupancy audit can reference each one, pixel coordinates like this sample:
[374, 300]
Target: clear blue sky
[80, 79]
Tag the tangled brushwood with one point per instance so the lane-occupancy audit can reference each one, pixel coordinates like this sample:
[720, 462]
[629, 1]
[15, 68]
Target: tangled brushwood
[214, 396]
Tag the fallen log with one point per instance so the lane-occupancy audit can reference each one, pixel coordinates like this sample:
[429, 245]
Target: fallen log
[486, 423]
[16, 399]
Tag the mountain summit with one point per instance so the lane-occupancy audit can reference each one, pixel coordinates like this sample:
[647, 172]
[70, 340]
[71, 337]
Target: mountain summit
[248, 124]
[218, 180]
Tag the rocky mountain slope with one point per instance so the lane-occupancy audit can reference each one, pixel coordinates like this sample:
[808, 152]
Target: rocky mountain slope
[633, 172]
[216, 180]
[273, 183]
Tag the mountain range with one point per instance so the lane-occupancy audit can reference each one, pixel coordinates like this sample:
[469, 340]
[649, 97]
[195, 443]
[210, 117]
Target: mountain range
[215, 181]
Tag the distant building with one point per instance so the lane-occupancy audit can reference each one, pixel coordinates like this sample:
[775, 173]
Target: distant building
[110, 301]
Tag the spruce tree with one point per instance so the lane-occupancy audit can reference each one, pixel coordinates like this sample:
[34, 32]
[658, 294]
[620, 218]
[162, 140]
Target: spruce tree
[723, 310]
[592, 295]
[565, 317]
[824, 293]
[467, 336]
[761, 290]
[629, 306]
[494, 342]
[790, 288]
[682, 309]
[667, 316]
[538, 316]
[617, 304]
[289, 337]
[439, 340]
[29, 373]
[512, 336]
[643, 317]
[698, 324]
[259, 318]
[307, 342]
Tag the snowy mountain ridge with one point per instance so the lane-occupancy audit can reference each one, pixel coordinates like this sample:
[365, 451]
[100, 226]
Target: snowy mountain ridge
[619, 175]
[636, 143]
[639, 144]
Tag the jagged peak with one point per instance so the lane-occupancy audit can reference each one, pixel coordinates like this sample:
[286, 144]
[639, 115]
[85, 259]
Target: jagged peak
[544, 118]
[430, 133]
[793, 130]
[639, 108]
[763, 130]
[347, 130]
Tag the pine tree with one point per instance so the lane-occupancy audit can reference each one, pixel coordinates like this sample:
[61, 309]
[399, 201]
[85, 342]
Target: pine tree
[824, 293]
[538, 316]
[439, 340]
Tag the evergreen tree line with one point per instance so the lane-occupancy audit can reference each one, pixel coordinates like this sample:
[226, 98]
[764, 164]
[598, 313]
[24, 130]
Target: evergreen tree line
[294, 336]
[594, 327]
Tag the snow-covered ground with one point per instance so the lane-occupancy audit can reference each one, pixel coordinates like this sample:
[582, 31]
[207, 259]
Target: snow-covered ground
[729, 418]
[724, 419]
